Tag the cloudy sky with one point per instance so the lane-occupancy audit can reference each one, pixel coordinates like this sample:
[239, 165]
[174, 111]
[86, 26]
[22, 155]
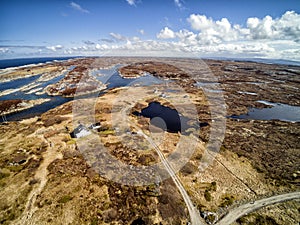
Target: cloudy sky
[195, 28]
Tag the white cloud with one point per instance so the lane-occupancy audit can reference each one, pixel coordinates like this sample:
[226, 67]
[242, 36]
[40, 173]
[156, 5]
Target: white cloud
[179, 4]
[285, 27]
[261, 29]
[142, 32]
[78, 7]
[117, 36]
[55, 48]
[107, 40]
[200, 22]
[187, 37]
[213, 32]
[260, 37]
[135, 39]
[166, 33]
[131, 2]
[102, 47]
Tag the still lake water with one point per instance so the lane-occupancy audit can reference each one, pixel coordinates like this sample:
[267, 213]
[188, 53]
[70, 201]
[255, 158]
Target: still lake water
[277, 111]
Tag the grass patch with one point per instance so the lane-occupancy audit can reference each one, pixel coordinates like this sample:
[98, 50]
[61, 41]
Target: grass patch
[95, 221]
[71, 142]
[227, 201]
[2, 184]
[12, 211]
[65, 199]
[16, 168]
[107, 132]
[207, 196]
[3, 175]
[212, 186]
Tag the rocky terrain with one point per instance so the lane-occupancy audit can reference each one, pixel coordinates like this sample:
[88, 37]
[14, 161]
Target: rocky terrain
[28, 71]
[47, 177]
[155, 68]
[76, 82]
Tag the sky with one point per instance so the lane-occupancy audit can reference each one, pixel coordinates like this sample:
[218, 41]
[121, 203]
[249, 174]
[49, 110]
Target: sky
[176, 28]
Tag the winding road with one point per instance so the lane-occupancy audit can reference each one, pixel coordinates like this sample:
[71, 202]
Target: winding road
[238, 212]
[194, 213]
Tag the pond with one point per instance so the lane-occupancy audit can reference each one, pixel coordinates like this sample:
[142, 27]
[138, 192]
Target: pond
[164, 117]
[277, 111]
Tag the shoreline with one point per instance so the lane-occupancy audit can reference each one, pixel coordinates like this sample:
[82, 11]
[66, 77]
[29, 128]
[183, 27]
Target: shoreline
[23, 105]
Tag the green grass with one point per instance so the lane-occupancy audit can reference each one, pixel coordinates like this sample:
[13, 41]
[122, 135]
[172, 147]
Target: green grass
[71, 142]
[207, 196]
[3, 175]
[65, 199]
[94, 221]
[227, 201]
[16, 168]
[107, 132]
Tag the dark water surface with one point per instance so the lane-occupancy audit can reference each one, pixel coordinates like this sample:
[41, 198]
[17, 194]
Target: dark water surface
[164, 117]
[278, 111]
[38, 109]
[6, 63]
[18, 82]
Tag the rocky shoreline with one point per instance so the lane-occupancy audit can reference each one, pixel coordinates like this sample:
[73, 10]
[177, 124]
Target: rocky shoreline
[18, 105]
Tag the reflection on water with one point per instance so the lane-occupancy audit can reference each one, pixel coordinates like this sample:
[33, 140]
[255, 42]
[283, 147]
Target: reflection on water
[113, 79]
[277, 111]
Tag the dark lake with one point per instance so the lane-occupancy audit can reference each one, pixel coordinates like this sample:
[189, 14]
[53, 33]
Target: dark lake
[164, 117]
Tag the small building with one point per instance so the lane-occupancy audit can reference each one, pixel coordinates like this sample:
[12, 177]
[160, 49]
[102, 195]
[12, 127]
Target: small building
[80, 131]
[95, 126]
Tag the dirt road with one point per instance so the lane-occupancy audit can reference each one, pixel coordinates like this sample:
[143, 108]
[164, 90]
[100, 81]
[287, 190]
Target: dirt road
[236, 213]
[194, 213]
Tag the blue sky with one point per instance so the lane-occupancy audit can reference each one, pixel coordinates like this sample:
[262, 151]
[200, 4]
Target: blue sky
[233, 28]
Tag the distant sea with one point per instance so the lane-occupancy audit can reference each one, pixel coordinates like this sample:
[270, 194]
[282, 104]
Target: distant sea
[259, 60]
[6, 63]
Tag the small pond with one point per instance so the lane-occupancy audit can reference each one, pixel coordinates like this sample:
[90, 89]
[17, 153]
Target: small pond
[164, 117]
[277, 111]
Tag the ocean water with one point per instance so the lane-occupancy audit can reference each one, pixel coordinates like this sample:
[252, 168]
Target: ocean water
[110, 77]
[6, 63]
[38, 109]
[259, 60]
